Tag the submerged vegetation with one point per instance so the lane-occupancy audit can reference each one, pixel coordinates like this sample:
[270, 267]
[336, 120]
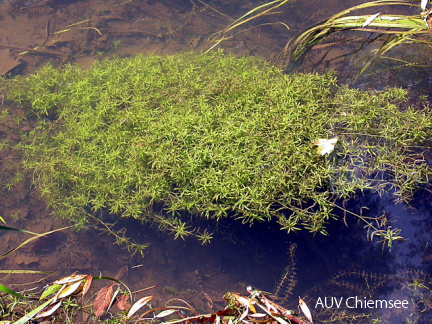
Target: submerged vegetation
[213, 136]
[81, 298]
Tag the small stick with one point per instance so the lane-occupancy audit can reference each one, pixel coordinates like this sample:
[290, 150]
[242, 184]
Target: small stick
[36, 5]
[37, 51]
[141, 290]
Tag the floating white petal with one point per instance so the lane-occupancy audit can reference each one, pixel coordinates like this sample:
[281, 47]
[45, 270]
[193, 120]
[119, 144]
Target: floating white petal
[370, 19]
[165, 313]
[324, 145]
[138, 304]
[306, 311]
[48, 311]
[69, 290]
[69, 279]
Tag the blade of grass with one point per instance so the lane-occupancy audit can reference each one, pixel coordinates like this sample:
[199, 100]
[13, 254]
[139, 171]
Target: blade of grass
[244, 19]
[11, 292]
[33, 313]
[400, 25]
[7, 228]
[387, 46]
[25, 272]
[31, 240]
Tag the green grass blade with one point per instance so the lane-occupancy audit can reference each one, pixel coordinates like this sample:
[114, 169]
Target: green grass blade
[243, 19]
[25, 272]
[398, 25]
[371, 5]
[33, 313]
[7, 228]
[11, 292]
[31, 240]
[221, 35]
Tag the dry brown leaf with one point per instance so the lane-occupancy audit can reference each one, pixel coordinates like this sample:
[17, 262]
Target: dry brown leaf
[87, 284]
[122, 302]
[103, 301]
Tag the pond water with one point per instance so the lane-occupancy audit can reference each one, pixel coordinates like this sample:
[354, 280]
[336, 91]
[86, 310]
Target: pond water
[320, 269]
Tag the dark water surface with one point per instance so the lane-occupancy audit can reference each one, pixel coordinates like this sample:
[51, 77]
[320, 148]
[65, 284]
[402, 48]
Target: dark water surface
[344, 264]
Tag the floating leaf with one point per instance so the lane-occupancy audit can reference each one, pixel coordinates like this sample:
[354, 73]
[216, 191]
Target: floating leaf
[69, 290]
[48, 311]
[114, 297]
[50, 290]
[165, 313]
[306, 311]
[87, 284]
[103, 301]
[325, 146]
[258, 315]
[138, 304]
[370, 19]
[70, 279]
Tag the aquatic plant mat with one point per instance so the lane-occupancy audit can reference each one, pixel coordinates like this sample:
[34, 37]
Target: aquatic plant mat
[210, 136]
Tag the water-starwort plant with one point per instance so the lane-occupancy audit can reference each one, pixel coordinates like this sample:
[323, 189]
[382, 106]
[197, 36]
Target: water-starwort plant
[211, 136]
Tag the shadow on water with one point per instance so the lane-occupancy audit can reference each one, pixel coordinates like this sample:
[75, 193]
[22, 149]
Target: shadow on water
[344, 264]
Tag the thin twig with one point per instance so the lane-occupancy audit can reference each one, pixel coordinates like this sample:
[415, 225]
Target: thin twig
[36, 51]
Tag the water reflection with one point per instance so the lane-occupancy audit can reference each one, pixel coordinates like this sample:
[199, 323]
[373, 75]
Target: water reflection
[344, 264]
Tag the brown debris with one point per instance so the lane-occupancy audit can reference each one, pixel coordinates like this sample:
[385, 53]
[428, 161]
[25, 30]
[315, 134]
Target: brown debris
[7, 61]
[122, 302]
[103, 301]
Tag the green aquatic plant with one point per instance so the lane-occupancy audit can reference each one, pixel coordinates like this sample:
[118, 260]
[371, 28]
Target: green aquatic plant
[233, 28]
[414, 287]
[391, 30]
[209, 136]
